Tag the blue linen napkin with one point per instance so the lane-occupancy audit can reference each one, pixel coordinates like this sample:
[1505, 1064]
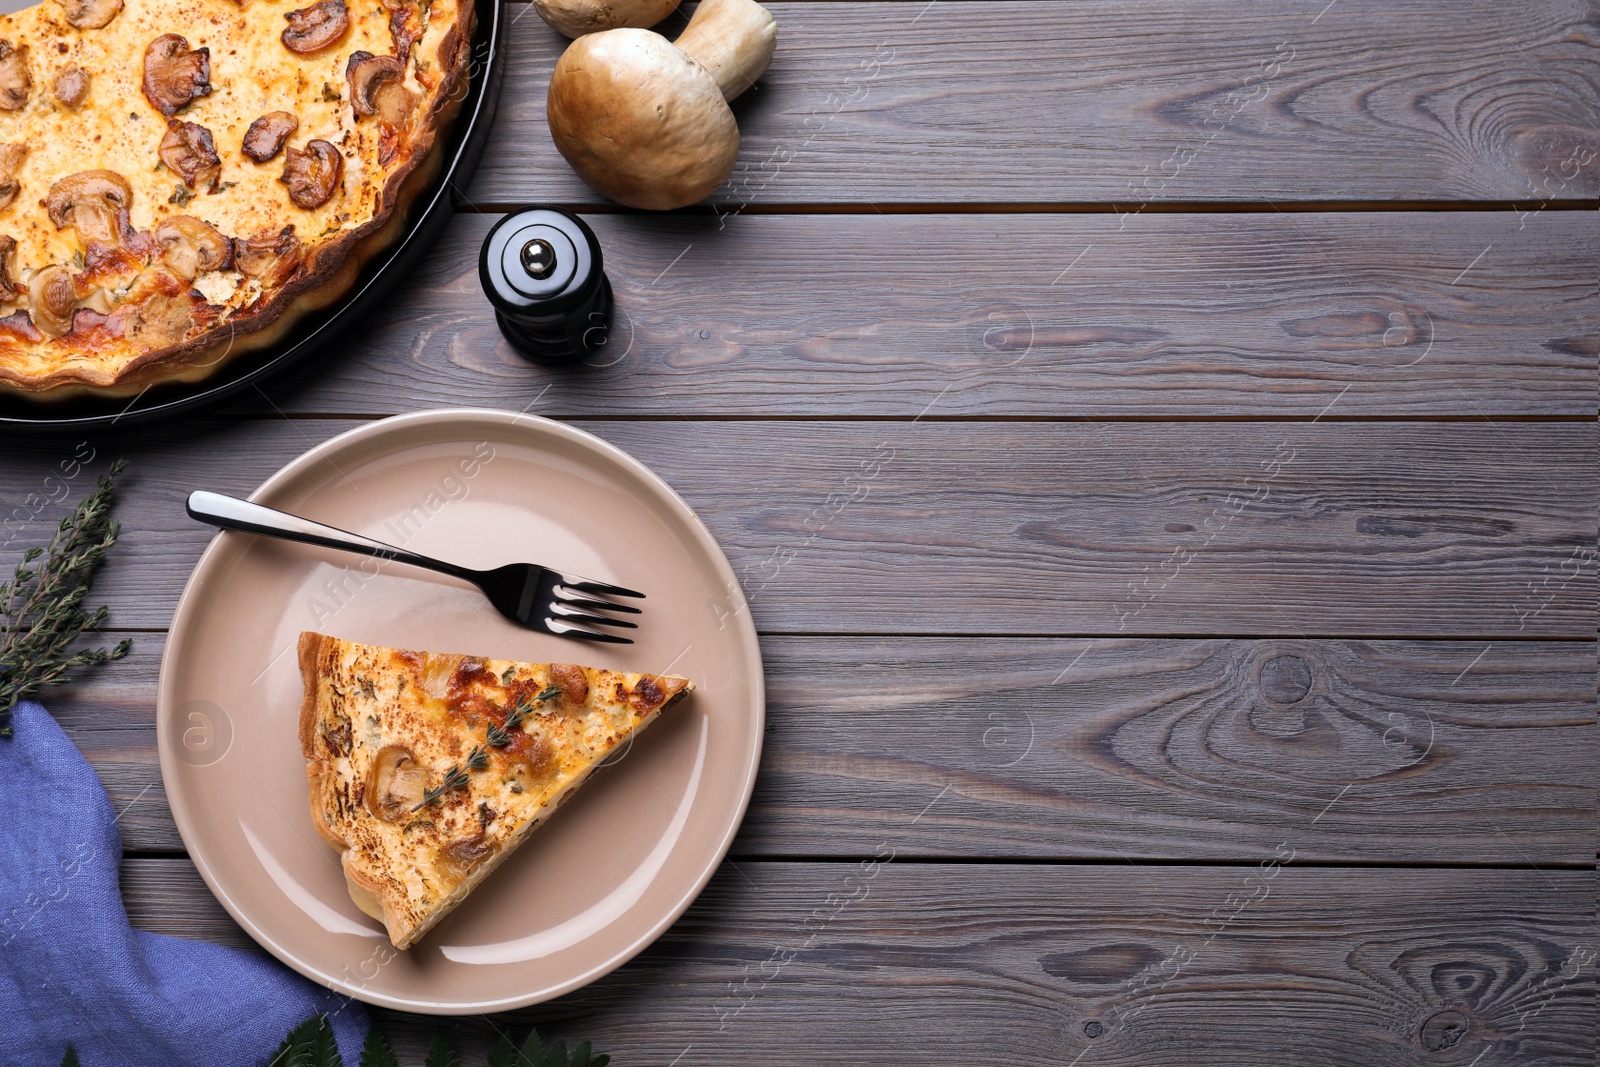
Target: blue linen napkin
[72, 969]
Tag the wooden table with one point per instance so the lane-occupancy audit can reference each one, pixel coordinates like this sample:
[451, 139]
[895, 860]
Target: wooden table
[1208, 662]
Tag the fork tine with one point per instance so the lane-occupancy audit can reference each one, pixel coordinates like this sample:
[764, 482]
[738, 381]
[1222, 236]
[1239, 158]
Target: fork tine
[588, 602]
[566, 629]
[589, 585]
[574, 615]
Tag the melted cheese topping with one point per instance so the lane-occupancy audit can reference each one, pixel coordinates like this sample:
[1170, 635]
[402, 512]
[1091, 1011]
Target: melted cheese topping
[388, 727]
[116, 128]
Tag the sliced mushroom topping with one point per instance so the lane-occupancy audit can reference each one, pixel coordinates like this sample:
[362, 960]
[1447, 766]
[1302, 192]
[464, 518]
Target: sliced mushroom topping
[52, 300]
[71, 86]
[395, 785]
[395, 103]
[266, 136]
[311, 29]
[10, 291]
[93, 202]
[312, 175]
[573, 681]
[90, 14]
[269, 257]
[15, 81]
[367, 74]
[190, 246]
[174, 73]
[187, 150]
[459, 858]
[10, 162]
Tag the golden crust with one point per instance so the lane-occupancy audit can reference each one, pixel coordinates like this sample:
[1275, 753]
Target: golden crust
[389, 737]
[87, 362]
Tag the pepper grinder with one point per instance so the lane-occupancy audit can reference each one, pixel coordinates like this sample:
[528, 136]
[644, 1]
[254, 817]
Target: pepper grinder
[542, 270]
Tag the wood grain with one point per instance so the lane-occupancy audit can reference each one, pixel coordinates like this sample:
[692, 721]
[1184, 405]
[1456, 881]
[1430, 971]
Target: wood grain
[1409, 752]
[1127, 103]
[1419, 313]
[1471, 529]
[919, 964]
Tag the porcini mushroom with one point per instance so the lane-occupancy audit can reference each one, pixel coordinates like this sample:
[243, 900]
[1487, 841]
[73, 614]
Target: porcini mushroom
[53, 301]
[71, 86]
[367, 74]
[90, 14]
[267, 256]
[15, 81]
[313, 174]
[174, 73]
[11, 156]
[395, 784]
[267, 134]
[190, 246]
[578, 17]
[646, 122]
[10, 291]
[311, 29]
[188, 150]
[93, 202]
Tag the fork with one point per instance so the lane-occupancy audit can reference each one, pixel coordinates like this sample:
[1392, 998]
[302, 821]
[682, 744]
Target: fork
[537, 597]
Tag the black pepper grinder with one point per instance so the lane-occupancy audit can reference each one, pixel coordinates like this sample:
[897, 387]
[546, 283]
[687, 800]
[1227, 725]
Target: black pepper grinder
[542, 270]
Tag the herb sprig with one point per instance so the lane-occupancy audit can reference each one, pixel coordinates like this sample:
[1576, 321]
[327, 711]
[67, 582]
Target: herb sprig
[42, 606]
[454, 778]
[498, 736]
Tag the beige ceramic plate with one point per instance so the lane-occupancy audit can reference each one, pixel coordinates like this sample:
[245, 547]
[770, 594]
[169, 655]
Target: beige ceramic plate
[616, 865]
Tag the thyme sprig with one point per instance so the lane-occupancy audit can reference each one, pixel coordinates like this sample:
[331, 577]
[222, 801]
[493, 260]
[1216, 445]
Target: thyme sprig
[454, 778]
[499, 735]
[42, 606]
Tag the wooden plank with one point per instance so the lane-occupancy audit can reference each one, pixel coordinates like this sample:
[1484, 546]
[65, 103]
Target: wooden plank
[1118, 965]
[1426, 313]
[1416, 752]
[1473, 529]
[1107, 101]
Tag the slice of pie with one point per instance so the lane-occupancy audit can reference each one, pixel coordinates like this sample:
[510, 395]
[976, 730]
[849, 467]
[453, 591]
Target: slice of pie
[428, 770]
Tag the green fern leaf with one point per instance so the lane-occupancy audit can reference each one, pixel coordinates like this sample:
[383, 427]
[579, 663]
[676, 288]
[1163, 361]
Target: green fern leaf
[71, 1058]
[322, 1050]
[375, 1050]
[532, 1054]
[504, 1054]
[310, 1044]
[440, 1053]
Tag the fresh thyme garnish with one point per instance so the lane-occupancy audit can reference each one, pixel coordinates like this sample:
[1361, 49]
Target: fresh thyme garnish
[477, 759]
[454, 778]
[42, 608]
[500, 735]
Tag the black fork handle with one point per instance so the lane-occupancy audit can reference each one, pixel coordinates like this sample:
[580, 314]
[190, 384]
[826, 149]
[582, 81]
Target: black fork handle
[231, 513]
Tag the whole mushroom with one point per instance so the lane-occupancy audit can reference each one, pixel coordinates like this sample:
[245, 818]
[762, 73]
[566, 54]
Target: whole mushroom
[578, 17]
[645, 121]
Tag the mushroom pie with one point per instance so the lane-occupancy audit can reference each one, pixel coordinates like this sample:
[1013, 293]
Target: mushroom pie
[427, 770]
[182, 180]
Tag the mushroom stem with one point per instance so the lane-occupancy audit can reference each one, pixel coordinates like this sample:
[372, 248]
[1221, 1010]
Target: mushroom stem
[733, 40]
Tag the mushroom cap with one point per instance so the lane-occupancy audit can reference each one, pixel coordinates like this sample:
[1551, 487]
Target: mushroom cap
[578, 17]
[640, 120]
